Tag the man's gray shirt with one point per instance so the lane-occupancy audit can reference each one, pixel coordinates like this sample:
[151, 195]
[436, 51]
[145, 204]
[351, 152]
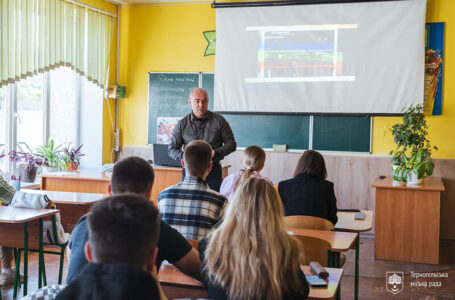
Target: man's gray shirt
[212, 128]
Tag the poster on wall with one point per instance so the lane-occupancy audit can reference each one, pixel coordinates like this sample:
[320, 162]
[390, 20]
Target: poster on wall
[210, 37]
[434, 53]
[165, 125]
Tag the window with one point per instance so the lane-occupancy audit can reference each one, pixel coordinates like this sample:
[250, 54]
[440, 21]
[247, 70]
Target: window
[58, 105]
[62, 108]
[3, 130]
[30, 117]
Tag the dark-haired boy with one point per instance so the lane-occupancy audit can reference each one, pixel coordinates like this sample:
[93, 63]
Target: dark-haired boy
[135, 175]
[123, 235]
[191, 206]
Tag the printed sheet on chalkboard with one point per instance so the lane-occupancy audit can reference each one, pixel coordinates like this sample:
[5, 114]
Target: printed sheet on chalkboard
[164, 126]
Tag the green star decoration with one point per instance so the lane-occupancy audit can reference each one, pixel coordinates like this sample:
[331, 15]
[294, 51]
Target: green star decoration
[210, 36]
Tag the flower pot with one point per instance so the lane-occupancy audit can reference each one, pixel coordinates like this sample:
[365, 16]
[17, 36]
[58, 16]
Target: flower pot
[395, 182]
[50, 170]
[413, 180]
[72, 166]
[26, 174]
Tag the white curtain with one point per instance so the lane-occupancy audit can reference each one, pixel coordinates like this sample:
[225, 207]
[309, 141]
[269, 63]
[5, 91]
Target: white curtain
[38, 35]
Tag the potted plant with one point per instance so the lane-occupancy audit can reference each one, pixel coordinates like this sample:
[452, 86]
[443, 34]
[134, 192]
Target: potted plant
[411, 159]
[53, 154]
[72, 157]
[28, 164]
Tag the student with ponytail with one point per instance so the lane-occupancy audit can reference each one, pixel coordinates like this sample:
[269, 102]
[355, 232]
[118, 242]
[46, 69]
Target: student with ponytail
[253, 159]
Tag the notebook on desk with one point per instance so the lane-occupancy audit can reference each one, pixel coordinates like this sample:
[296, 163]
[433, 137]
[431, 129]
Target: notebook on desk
[162, 158]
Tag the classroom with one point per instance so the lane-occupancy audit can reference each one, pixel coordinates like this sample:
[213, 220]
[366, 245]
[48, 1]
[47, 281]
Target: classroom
[164, 36]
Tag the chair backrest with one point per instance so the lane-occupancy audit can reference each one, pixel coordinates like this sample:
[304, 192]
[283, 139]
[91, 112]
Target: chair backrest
[313, 249]
[307, 222]
[193, 243]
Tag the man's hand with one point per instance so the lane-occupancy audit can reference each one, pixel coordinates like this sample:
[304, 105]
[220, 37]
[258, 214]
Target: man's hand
[213, 153]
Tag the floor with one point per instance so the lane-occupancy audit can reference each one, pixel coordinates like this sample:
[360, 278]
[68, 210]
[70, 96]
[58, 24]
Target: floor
[372, 275]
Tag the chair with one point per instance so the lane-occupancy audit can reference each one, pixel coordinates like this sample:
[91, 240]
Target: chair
[310, 222]
[313, 249]
[55, 244]
[193, 243]
[307, 222]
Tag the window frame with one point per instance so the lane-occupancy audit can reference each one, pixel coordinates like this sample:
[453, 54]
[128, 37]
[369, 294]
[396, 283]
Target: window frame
[11, 115]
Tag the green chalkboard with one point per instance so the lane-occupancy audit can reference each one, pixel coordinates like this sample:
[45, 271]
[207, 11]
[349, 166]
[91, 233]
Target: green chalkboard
[208, 83]
[266, 130]
[168, 97]
[341, 133]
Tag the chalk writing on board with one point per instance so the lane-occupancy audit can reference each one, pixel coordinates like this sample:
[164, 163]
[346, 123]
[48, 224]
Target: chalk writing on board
[185, 79]
[171, 89]
[162, 77]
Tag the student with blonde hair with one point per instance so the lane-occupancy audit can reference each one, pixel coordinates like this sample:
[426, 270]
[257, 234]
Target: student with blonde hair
[253, 159]
[250, 255]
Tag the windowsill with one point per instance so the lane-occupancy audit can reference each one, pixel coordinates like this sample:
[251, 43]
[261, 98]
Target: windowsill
[35, 185]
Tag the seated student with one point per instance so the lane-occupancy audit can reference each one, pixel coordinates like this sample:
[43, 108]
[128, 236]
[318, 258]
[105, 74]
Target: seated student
[135, 175]
[6, 253]
[308, 193]
[122, 251]
[250, 255]
[253, 159]
[191, 206]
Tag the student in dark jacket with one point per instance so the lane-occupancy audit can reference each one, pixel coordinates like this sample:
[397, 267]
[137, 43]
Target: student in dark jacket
[250, 255]
[308, 193]
[123, 234]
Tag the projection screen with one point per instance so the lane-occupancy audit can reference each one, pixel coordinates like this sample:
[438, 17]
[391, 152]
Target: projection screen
[325, 58]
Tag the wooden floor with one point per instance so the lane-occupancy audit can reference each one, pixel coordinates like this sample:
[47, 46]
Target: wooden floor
[372, 280]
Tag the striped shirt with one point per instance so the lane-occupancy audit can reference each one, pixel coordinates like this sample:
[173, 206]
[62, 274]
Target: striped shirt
[191, 207]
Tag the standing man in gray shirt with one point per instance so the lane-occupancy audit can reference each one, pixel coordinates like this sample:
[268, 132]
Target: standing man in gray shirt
[202, 124]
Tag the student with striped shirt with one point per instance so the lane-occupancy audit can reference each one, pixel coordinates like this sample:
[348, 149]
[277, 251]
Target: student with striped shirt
[190, 206]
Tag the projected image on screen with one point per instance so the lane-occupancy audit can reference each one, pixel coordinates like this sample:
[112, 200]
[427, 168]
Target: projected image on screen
[350, 58]
[299, 54]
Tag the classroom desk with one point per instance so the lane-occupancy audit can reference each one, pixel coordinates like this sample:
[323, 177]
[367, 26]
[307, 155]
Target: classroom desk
[97, 182]
[339, 241]
[72, 205]
[407, 220]
[347, 223]
[175, 284]
[23, 228]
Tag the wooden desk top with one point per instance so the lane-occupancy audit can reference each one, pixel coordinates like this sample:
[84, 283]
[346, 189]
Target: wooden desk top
[10, 214]
[171, 276]
[347, 223]
[98, 175]
[333, 281]
[71, 198]
[339, 241]
[83, 174]
[429, 184]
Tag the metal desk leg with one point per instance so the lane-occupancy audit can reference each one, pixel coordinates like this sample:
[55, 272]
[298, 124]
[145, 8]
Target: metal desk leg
[17, 280]
[25, 258]
[356, 280]
[337, 265]
[40, 255]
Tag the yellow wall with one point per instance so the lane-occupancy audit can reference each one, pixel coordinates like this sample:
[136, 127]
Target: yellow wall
[168, 38]
[441, 127]
[158, 39]
[108, 140]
